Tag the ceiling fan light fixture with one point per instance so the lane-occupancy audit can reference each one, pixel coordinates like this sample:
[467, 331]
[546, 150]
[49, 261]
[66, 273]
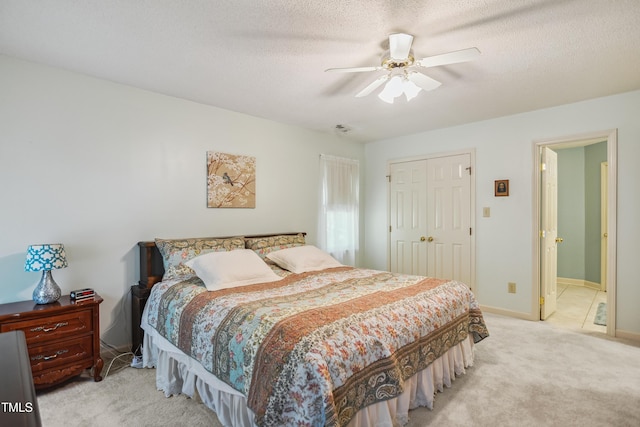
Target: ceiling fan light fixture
[392, 90]
[410, 89]
[397, 86]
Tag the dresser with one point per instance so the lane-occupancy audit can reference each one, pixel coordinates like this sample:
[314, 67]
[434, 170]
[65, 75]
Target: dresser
[63, 338]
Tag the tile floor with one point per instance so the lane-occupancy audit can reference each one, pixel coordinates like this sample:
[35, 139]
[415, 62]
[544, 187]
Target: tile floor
[577, 307]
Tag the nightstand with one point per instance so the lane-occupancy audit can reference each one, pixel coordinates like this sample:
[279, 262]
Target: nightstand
[63, 338]
[139, 296]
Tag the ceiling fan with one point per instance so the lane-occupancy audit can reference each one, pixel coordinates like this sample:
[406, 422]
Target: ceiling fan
[402, 76]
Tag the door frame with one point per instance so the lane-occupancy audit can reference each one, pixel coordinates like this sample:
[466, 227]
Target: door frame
[472, 207]
[611, 137]
[604, 218]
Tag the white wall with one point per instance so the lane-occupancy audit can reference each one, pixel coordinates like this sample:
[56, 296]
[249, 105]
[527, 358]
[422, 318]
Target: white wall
[504, 150]
[100, 166]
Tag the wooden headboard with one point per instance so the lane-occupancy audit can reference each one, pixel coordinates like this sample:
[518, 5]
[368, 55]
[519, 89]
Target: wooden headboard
[152, 267]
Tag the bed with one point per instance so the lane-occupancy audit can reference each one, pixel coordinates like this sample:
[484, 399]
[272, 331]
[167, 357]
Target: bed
[270, 331]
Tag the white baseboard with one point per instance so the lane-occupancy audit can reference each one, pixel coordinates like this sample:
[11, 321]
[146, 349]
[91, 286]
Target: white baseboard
[578, 282]
[508, 313]
[633, 336]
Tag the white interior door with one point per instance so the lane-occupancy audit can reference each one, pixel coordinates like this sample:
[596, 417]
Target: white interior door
[408, 217]
[548, 233]
[604, 220]
[449, 217]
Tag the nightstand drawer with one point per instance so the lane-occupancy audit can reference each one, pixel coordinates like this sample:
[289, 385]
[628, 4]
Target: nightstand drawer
[55, 327]
[59, 353]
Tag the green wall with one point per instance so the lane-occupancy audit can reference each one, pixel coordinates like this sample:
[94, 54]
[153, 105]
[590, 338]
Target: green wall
[579, 211]
[571, 213]
[594, 155]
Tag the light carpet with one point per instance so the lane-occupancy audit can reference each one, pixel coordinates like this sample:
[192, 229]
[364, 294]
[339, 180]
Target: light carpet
[525, 374]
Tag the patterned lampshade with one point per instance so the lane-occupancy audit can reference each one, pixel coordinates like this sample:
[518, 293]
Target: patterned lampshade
[45, 257]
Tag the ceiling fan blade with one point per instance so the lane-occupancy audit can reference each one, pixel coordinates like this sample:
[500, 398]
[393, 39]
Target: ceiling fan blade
[449, 58]
[400, 46]
[353, 69]
[372, 86]
[422, 81]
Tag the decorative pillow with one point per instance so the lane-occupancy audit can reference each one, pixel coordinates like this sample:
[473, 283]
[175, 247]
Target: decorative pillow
[301, 259]
[175, 252]
[264, 245]
[220, 270]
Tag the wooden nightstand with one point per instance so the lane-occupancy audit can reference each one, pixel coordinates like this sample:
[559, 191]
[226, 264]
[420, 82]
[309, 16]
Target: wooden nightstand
[139, 297]
[63, 338]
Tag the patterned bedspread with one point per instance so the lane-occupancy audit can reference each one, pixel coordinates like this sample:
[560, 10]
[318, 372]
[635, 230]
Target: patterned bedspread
[314, 348]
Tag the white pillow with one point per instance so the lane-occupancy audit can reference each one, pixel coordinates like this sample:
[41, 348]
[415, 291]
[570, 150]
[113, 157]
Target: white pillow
[240, 267]
[301, 259]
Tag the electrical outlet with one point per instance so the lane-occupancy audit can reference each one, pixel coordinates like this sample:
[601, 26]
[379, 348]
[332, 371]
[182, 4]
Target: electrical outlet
[512, 287]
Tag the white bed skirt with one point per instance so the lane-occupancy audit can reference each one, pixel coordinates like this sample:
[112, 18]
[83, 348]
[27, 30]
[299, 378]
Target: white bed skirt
[177, 373]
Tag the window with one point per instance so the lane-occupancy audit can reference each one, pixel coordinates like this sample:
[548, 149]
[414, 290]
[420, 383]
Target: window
[338, 222]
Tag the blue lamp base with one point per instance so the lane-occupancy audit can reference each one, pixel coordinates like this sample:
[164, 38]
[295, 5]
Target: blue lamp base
[47, 290]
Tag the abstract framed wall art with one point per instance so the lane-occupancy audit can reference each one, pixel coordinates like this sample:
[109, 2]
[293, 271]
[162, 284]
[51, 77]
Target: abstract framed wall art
[231, 180]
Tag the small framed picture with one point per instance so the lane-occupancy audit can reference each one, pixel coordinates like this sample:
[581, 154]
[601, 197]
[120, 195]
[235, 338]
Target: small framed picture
[501, 187]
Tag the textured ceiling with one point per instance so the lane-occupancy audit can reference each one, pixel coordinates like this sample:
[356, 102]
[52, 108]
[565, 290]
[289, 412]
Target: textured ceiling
[267, 58]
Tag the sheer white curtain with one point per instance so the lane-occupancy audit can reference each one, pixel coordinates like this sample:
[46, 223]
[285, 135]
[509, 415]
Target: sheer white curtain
[338, 220]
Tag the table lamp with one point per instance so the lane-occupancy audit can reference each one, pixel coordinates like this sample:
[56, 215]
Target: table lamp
[45, 258]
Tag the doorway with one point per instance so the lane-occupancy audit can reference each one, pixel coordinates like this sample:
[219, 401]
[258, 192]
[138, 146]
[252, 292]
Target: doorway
[604, 265]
